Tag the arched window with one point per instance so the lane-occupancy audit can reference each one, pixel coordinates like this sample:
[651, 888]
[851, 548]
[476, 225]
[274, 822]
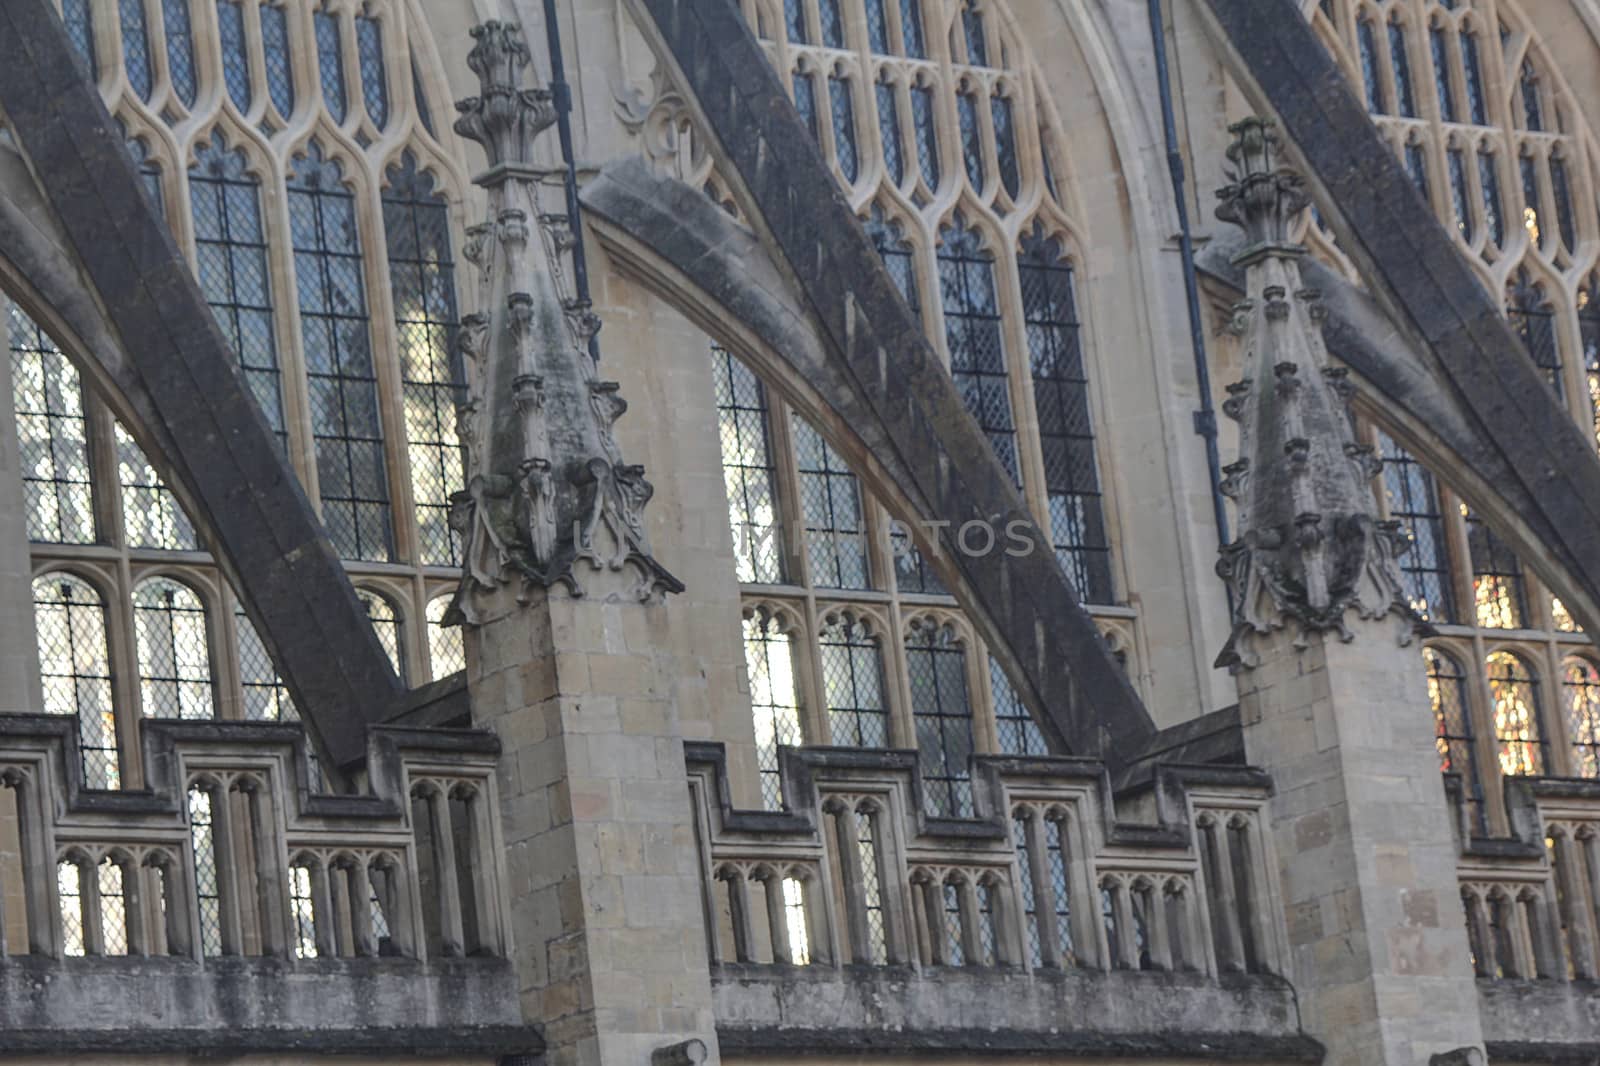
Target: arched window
[941, 707]
[174, 651]
[266, 697]
[447, 653]
[1580, 685]
[972, 334]
[748, 468]
[386, 624]
[151, 517]
[1497, 583]
[774, 697]
[1015, 728]
[75, 666]
[1532, 316]
[852, 684]
[835, 529]
[52, 434]
[1519, 735]
[1413, 501]
[1452, 716]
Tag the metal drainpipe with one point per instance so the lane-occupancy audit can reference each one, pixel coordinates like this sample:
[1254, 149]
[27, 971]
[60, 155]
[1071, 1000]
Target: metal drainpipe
[1205, 419]
[561, 95]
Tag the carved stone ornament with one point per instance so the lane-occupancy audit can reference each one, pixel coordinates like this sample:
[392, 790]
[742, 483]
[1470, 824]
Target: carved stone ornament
[547, 486]
[1310, 547]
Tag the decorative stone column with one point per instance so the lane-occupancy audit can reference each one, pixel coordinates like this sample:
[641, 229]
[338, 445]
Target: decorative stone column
[1331, 689]
[561, 600]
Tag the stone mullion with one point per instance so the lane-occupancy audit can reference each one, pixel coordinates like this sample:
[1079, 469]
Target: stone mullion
[786, 494]
[902, 716]
[227, 674]
[1553, 721]
[816, 724]
[121, 632]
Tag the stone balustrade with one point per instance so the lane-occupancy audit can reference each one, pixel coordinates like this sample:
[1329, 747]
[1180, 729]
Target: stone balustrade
[229, 893]
[1045, 915]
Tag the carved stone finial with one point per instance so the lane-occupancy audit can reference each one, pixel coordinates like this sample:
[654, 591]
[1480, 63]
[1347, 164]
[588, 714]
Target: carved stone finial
[547, 485]
[505, 118]
[1310, 548]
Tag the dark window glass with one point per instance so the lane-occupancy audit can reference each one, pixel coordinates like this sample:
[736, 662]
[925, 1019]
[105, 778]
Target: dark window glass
[805, 102]
[339, 368]
[971, 138]
[889, 132]
[1532, 107]
[235, 58]
[1459, 196]
[1414, 502]
[1447, 692]
[748, 469]
[330, 63]
[832, 23]
[1440, 47]
[844, 127]
[1534, 320]
[419, 97]
[1500, 597]
[1066, 434]
[794, 19]
[1562, 192]
[972, 331]
[896, 253]
[972, 29]
[52, 436]
[275, 50]
[1473, 72]
[1015, 728]
[927, 138]
[1367, 39]
[180, 48]
[1489, 182]
[1417, 167]
[416, 223]
[78, 18]
[836, 530]
[174, 653]
[1533, 203]
[69, 616]
[877, 27]
[136, 47]
[231, 265]
[911, 29]
[149, 173]
[374, 82]
[1519, 733]
[1005, 144]
[1400, 62]
[852, 685]
[1589, 340]
[942, 711]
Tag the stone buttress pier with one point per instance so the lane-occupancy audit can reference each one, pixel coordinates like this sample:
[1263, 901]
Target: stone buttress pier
[1331, 692]
[561, 601]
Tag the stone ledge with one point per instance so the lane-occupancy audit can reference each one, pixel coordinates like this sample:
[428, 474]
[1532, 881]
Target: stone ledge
[456, 1041]
[930, 1043]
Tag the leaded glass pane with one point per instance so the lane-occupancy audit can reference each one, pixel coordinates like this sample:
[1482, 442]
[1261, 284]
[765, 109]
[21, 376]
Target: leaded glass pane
[1005, 144]
[897, 255]
[330, 64]
[1497, 585]
[1532, 202]
[420, 98]
[266, 697]
[971, 138]
[1439, 45]
[1417, 167]
[231, 265]
[174, 651]
[774, 700]
[416, 222]
[877, 27]
[1367, 40]
[794, 21]
[1589, 339]
[1447, 693]
[374, 83]
[942, 711]
[447, 652]
[180, 48]
[911, 29]
[1460, 198]
[113, 908]
[1414, 502]
[52, 436]
[889, 132]
[75, 669]
[1532, 106]
[69, 897]
[927, 139]
[136, 47]
[275, 50]
[1015, 728]
[972, 331]
[1473, 77]
[1532, 318]
[386, 624]
[1580, 683]
[805, 102]
[78, 18]
[339, 369]
[1400, 63]
[1519, 736]
[1489, 183]
[235, 57]
[972, 31]
[207, 889]
[832, 23]
[844, 127]
[852, 684]
[151, 516]
[836, 533]
[302, 912]
[748, 469]
[912, 571]
[1066, 433]
[1561, 190]
[871, 885]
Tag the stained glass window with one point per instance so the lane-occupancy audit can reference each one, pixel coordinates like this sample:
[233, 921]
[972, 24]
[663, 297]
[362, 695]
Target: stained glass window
[339, 369]
[1589, 340]
[1580, 684]
[844, 127]
[78, 18]
[416, 222]
[1414, 502]
[852, 684]
[275, 51]
[1066, 433]
[774, 700]
[266, 697]
[972, 331]
[1497, 584]
[69, 615]
[179, 36]
[835, 530]
[748, 469]
[136, 47]
[1562, 193]
[330, 63]
[52, 435]
[1533, 319]
[1532, 106]
[174, 651]
[1514, 693]
[1452, 716]
[942, 711]
[386, 624]
[374, 83]
[1532, 201]
[1015, 728]
[151, 516]
[447, 653]
[231, 265]
[235, 53]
